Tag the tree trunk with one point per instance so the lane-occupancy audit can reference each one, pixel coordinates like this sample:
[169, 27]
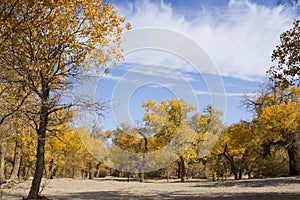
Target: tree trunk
[234, 171]
[179, 169]
[235, 174]
[17, 159]
[91, 171]
[142, 177]
[52, 169]
[183, 169]
[40, 153]
[98, 167]
[168, 173]
[232, 165]
[128, 177]
[240, 174]
[2, 162]
[293, 159]
[39, 168]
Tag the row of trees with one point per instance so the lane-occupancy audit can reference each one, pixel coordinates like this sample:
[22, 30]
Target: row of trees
[205, 148]
[268, 145]
[245, 147]
[65, 154]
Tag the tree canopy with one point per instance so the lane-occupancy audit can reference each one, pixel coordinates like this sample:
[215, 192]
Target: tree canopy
[286, 70]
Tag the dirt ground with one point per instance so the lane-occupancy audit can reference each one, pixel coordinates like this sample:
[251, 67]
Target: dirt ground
[111, 189]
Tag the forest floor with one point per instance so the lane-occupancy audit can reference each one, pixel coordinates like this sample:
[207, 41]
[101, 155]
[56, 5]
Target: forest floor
[117, 188]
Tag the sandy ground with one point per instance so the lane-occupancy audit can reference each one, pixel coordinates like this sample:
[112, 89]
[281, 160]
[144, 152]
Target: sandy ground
[66, 189]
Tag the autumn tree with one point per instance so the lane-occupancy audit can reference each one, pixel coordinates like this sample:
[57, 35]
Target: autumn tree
[169, 122]
[279, 125]
[268, 99]
[208, 128]
[240, 147]
[285, 74]
[127, 138]
[13, 96]
[72, 153]
[286, 70]
[46, 53]
[266, 96]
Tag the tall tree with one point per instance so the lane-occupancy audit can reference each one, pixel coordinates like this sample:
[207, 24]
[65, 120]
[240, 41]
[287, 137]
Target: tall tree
[286, 71]
[240, 147]
[279, 125]
[47, 52]
[169, 122]
[284, 74]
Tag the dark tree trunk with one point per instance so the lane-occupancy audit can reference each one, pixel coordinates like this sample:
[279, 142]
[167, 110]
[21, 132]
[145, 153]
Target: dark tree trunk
[232, 165]
[293, 159]
[40, 153]
[234, 171]
[2, 162]
[183, 169]
[17, 159]
[128, 177]
[39, 168]
[240, 174]
[235, 174]
[144, 150]
[179, 169]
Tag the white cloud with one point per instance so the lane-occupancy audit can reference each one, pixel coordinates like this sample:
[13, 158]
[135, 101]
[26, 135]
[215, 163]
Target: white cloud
[167, 72]
[228, 94]
[239, 38]
[160, 86]
[111, 77]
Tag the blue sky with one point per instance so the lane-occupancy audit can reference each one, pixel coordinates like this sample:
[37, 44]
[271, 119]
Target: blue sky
[237, 36]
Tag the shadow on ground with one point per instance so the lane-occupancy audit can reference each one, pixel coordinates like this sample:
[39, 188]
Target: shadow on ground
[113, 195]
[276, 182]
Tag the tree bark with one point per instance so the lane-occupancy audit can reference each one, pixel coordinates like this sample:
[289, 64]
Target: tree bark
[128, 176]
[179, 169]
[235, 174]
[39, 168]
[293, 159]
[183, 169]
[17, 159]
[90, 171]
[40, 153]
[240, 174]
[2, 162]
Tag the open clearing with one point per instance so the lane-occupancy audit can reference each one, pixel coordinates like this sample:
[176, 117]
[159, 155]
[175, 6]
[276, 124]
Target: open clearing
[110, 189]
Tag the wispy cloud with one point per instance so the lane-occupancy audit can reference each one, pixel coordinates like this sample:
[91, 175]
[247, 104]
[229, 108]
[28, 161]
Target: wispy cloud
[160, 86]
[239, 38]
[166, 72]
[111, 77]
[228, 94]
